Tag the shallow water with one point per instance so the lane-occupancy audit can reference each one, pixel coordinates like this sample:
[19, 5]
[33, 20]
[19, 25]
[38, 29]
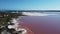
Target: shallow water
[42, 24]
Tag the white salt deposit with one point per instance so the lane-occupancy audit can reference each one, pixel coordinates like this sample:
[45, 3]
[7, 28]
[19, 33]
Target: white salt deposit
[15, 26]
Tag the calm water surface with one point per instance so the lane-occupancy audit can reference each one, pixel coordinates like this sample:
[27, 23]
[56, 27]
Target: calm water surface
[42, 24]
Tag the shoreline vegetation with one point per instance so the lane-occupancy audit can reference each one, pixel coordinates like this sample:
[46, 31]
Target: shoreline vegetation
[5, 17]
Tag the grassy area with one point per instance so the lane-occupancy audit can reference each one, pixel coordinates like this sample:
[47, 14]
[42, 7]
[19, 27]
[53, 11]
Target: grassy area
[6, 16]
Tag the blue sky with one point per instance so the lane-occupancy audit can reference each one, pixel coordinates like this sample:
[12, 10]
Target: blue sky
[30, 4]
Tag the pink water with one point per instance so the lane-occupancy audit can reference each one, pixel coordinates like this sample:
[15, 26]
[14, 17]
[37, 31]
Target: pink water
[42, 24]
